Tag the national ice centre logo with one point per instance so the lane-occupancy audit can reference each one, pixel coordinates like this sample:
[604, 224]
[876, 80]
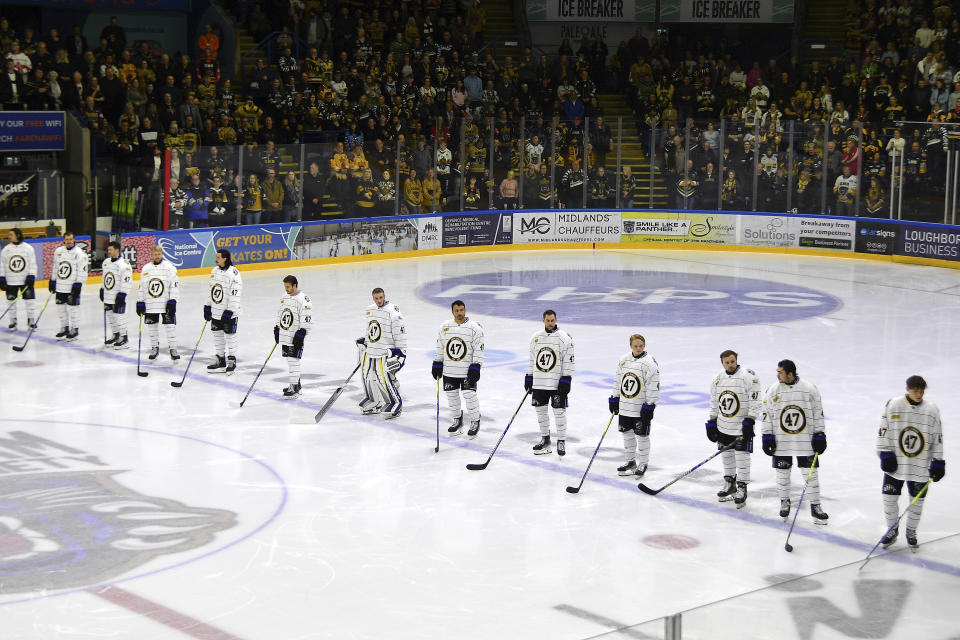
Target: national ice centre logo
[76, 515]
[630, 298]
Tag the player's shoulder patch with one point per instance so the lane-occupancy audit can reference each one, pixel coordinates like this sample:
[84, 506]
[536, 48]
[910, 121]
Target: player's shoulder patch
[752, 372]
[895, 416]
[306, 299]
[367, 313]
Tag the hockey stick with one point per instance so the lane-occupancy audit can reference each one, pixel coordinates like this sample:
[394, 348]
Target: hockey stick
[10, 306]
[336, 394]
[437, 448]
[577, 488]
[142, 374]
[813, 465]
[652, 492]
[897, 523]
[482, 466]
[104, 325]
[33, 327]
[262, 367]
[180, 384]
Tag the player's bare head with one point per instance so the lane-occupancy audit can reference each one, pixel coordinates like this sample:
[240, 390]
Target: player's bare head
[786, 371]
[637, 343]
[549, 319]
[379, 297]
[916, 385]
[113, 249]
[68, 240]
[15, 235]
[156, 254]
[459, 310]
[290, 284]
[223, 258]
[729, 360]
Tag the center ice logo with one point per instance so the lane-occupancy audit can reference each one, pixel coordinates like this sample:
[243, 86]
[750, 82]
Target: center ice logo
[623, 297]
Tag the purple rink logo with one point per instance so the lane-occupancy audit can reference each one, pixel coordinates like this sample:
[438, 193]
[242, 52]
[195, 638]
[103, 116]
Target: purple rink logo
[83, 505]
[631, 297]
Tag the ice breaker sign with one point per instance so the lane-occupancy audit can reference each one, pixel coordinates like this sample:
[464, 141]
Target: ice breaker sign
[607, 10]
[630, 298]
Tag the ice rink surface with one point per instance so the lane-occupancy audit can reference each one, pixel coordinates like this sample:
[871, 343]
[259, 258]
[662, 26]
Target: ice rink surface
[130, 509]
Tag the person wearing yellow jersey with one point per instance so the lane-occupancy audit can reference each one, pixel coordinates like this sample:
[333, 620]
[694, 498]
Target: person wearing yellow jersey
[412, 194]
[339, 179]
[430, 188]
[366, 194]
[252, 201]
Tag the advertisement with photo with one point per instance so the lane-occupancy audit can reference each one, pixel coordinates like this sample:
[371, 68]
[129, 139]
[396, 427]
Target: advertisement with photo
[369, 236]
[188, 249]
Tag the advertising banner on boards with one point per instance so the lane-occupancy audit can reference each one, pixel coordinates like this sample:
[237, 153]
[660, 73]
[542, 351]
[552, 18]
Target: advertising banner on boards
[472, 229]
[691, 228]
[876, 237]
[566, 226]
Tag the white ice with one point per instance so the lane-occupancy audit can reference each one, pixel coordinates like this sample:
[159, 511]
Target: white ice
[355, 528]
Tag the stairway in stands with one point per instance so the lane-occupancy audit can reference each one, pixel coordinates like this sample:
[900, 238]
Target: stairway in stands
[631, 152]
[824, 24]
[501, 27]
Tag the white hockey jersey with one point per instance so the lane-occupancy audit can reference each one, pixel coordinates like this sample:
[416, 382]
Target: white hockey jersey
[637, 383]
[551, 356]
[117, 278]
[385, 330]
[733, 397]
[17, 261]
[296, 312]
[793, 413]
[459, 346]
[69, 266]
[226, 285]
[158, 284]
[912, 433]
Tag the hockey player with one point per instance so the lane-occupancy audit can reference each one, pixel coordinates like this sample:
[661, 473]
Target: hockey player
[458, 359]
[383, 353]
[793, 426]
[222, 311]
[117, 281]
[735, 402]
[293, 322]
[637, 384]
[70, 265]
[910, 445]
[548, 380]
[18, 271]
[158, 279]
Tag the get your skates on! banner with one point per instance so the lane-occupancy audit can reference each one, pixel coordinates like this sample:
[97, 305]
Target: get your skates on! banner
[193, 248]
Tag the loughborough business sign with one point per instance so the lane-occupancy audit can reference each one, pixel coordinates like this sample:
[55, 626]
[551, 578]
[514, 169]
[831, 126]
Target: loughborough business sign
[631, 298]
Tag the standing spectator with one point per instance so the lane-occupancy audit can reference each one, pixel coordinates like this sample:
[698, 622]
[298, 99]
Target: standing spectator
[77, 44]
[291, 198]
[253, 201]
[209, 40]
[115, 36]
[509, 191]
[11, 84]
[272, 197]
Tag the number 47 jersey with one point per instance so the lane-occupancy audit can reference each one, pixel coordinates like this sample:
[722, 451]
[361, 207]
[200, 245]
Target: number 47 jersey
[551, 356]
[459, 346]
[793, 413]
[913, 434]
[733, 397]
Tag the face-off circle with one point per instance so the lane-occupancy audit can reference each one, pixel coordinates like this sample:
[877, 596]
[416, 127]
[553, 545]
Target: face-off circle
[625, 297]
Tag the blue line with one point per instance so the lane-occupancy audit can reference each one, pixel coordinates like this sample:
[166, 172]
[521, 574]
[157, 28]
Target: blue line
[393, 425]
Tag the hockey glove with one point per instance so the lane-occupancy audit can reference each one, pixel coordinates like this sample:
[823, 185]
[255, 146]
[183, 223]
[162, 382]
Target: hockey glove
[75, 294]
[769, 444]
[226, 316]
[30, 281]
[276, 333]
[937, 470]
[646, 414]
[528, 382]
[613, 403]
[101, 294]
[563, 386]
[52, 285]
[120, 303]
[712, 432]
[362, 342]
[473, 373]
[141, 308]
[298, 338]
[746, 428]
[437, 369]
[398, 358]
[819, 442]
[207, 313]
[888, 461]
[3, 284]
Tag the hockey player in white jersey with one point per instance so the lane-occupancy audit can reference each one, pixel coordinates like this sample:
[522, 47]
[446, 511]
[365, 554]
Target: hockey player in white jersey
[548, 379]
[793, 427]
[157, 300]
[222, 311]
[70, 266]
[458, 359]
[18, 272]
[910, 446]
[636, 392]
[117, 281]
[290, 331]
[383, 351]
[736, 399]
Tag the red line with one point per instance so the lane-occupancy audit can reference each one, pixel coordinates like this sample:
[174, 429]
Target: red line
[159, 613]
